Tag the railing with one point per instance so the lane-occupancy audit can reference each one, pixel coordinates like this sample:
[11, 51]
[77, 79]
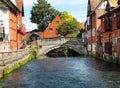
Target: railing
[56, 41]
[50, 44]
[9, 57]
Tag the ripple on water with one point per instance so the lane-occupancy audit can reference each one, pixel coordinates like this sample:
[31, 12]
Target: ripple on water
[64, 73]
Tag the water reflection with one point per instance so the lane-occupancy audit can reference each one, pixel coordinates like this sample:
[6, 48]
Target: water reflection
[69, 72]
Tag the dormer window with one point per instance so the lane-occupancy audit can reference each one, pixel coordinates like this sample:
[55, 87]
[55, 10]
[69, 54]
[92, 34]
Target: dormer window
[50, 29]
[57, 22]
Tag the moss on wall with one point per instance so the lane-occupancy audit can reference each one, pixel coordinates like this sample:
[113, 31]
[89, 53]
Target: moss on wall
[1, 75]
[15, 65]
[107, 58]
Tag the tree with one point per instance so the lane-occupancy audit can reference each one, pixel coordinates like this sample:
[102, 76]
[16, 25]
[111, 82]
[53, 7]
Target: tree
[42, 14]
[65, 16]
[70, 26]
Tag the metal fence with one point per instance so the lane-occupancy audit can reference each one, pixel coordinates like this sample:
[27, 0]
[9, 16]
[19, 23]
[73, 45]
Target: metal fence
[9, 57]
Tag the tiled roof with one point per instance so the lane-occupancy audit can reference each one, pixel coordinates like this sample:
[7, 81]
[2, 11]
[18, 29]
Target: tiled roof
[94, 3]
[19, 4]
[113, 3]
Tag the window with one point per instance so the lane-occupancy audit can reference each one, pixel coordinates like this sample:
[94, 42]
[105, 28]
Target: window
[107, 23]
[108, 47]
[2, 33]
[57, 22]
[118, 20]
[88, 20]
[93, 32]
[50, 29]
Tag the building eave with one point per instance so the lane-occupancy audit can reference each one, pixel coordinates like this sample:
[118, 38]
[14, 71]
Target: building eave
[111, 11]
[11, 6]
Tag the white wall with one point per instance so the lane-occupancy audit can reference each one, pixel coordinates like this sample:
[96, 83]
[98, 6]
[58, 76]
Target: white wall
[13, 1]
[4, 16]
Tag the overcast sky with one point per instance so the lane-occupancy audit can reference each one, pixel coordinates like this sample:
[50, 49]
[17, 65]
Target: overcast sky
[77, 8]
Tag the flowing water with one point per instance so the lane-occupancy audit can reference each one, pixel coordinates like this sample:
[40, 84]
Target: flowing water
[71, 72]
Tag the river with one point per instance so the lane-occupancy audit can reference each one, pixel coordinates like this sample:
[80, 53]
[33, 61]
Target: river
[71, 72]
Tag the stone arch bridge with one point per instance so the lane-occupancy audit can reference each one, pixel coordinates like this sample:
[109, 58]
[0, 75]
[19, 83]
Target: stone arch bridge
[48, 45]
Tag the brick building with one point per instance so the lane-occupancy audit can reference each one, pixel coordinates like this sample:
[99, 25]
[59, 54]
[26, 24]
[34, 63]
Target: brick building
[50, 31]
[110, 28]
[93, 24]
[10, 17]
[20, 26]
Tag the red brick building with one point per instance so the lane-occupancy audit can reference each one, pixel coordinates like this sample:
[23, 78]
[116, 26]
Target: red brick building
[50, 31]
[20, 26]
[110, 28]
[93, 24]
[11, 15]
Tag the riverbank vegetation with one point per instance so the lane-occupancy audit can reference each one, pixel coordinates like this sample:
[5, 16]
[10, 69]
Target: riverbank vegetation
[107, 58]
[17, 64]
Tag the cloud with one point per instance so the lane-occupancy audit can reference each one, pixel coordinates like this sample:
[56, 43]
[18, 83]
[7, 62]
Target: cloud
[30, 26]
[29, 3]
[81, 19]
[77, 8]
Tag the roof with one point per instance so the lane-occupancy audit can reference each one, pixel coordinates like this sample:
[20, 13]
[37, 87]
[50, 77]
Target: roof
[19, 4]
[11, 5]
[112, 3]
[94, 3]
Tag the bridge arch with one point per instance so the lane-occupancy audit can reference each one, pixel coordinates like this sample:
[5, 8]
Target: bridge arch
[48, 45]
[63, 46]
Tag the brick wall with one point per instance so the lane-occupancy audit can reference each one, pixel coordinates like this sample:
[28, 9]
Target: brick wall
[115, 35]
[13, 30]
[50, 31]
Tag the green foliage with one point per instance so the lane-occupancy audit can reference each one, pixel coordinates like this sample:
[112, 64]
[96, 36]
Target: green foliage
[1, 75]
[42, 14]
[8, 70]
[27, 40]
[34, 52]
[17, 65]
[70, 26]
[65, 16]
[65, 51]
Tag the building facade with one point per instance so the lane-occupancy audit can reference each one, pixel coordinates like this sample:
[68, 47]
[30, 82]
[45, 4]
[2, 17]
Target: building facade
[110, 20]
[103, 27]
[93, 24]
[10, 17]
[50, 31]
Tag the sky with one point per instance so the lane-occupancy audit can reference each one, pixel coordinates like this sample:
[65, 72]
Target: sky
[76, 8]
